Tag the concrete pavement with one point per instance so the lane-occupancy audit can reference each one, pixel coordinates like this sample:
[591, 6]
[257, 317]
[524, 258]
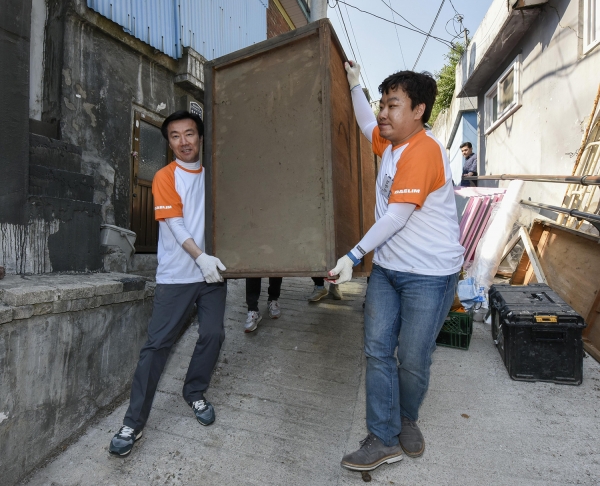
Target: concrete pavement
[290, 402]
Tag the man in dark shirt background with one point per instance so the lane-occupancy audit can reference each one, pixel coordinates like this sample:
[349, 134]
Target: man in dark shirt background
[470, 165]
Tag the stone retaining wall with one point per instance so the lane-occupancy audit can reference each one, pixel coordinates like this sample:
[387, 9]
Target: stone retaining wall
[68, 348]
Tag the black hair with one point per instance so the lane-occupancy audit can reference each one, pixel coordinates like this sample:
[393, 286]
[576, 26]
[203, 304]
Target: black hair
[466, 144]
[419, 87]
[182, 115]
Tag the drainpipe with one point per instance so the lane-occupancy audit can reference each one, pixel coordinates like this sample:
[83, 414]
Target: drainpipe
[318, 10]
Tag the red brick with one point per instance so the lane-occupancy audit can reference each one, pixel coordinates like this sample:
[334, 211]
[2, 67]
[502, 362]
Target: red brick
[276, 23]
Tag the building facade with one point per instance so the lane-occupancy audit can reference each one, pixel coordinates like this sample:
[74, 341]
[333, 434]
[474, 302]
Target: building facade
[88, 83]
[530, 74]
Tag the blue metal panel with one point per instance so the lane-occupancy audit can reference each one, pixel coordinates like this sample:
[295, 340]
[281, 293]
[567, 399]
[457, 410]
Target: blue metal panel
[211, 27]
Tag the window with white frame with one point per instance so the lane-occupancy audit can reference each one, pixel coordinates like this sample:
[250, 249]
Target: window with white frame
[504, 97]
[591, 24]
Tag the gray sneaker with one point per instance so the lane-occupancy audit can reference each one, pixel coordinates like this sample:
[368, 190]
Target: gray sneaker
[204, 412]
[335, 292]
[372, 453]
[122, 443]
[411, 438]
[318, 294]
[252, 321]
[274, 309]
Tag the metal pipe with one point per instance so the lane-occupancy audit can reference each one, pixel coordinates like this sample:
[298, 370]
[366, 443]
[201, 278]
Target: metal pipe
[592, 218]
[586, 180]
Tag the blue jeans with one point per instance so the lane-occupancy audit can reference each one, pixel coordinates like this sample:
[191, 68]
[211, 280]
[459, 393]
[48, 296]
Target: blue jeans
[403, 311]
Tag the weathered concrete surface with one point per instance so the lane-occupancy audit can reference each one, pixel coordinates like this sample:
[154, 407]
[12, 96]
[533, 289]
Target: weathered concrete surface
[290, 402]
[68, 348]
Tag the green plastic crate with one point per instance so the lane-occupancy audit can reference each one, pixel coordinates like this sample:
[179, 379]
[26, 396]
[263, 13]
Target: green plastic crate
[456, 331]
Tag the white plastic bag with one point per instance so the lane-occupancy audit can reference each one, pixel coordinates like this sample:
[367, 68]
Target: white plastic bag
[490, 247]
[468, 293]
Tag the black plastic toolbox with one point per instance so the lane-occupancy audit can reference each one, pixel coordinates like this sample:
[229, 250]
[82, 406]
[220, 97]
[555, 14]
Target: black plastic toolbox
[537, 334]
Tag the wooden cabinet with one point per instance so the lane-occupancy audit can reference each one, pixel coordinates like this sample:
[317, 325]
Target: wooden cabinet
[291, 180]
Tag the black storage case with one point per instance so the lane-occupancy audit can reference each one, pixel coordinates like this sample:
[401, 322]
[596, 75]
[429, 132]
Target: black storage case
[537, 334]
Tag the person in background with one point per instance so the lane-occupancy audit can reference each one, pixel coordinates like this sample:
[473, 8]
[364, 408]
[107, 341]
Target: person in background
[253, 293]
[416, 263]
[470, 164]
[252, 296]
[320, 291]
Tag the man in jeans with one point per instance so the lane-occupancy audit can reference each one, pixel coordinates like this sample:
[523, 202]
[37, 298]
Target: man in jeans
[415, 267]
[185, 275]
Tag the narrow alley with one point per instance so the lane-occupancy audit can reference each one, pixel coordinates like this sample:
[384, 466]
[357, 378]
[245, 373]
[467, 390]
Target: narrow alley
[290, 402]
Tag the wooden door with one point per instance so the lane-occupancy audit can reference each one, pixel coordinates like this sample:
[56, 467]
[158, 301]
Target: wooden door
[150, 154]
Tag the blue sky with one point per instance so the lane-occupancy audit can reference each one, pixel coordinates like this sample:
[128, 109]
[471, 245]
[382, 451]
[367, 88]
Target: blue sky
[385, 49]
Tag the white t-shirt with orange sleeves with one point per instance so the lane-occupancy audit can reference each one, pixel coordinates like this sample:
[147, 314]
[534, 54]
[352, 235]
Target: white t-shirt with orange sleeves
[178, 192]
[418, 172]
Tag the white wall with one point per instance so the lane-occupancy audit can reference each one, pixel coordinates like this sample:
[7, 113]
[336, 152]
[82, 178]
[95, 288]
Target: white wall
[558, 88]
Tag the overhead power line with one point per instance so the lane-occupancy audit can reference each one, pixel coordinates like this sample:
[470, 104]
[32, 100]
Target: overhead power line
[417, 30]
[339, 12]
[396, 28]
[428, 35]
[402, 17]
[357, 48]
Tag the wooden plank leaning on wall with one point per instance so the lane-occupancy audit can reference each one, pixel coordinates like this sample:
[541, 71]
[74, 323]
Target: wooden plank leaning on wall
[571, 262]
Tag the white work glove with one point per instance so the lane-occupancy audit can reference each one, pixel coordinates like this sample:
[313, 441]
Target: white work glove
[353, 73]
[343, 268]
[210, 267]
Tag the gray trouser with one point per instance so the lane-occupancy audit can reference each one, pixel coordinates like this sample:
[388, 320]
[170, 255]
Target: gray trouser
[172, 303]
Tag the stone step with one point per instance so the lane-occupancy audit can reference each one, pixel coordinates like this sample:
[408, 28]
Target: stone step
[57, 183]
[54, 154]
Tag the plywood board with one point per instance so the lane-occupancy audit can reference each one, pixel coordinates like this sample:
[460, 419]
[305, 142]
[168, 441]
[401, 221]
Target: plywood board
[571, 263]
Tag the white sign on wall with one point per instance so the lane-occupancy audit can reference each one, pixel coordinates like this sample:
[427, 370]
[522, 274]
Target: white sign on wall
[196, 109]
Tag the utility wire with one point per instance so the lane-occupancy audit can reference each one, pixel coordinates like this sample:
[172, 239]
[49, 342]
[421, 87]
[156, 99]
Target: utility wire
[396, 28]
[454, 8]
[403, 18]
[447, 43]
[339, 12]
[357, 48]
[428, 35]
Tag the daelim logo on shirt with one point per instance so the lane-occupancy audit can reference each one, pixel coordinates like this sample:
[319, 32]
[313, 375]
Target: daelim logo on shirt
[407, 191]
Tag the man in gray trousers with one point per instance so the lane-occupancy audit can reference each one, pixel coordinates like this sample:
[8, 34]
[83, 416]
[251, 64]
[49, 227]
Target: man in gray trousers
[185, 275]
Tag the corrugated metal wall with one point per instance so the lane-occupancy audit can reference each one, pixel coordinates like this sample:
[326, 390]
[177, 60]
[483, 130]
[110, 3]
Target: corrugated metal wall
[211, 27]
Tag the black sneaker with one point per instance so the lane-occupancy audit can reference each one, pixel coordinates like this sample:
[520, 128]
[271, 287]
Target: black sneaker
[411, 438]
[372, 453]
[122, 443]
[204, 412]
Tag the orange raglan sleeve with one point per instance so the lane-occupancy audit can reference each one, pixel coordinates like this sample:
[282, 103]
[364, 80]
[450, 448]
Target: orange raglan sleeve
[167, 202]
[378, 143]
[420, 171]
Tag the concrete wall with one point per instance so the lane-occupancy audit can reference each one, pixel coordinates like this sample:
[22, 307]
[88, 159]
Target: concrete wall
[68, 348]
[103, 82]
[558, 86]
[14, 115]
[39, 15]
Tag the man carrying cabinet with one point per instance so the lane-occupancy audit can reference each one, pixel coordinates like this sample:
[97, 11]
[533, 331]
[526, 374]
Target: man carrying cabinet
[415, 266]
[185, 275]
